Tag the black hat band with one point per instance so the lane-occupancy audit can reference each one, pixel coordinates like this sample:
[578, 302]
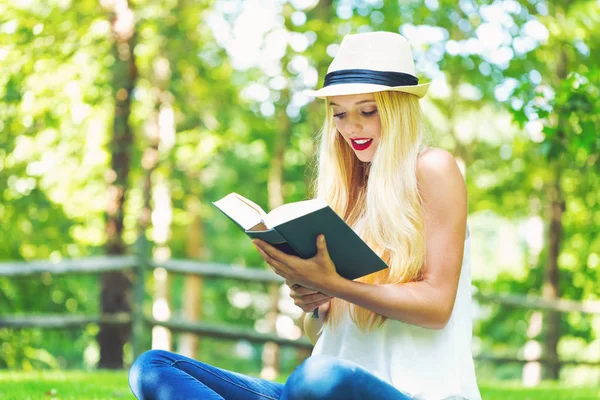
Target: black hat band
[386, 78]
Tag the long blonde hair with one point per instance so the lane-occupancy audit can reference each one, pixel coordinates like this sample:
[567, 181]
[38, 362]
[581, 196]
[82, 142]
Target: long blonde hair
[384, 192]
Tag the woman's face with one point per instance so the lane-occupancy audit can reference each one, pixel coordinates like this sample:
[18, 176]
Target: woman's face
[357, 120]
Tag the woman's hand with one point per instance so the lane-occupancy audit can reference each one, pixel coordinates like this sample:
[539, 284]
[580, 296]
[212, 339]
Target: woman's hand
[317, 273]
[323, 311]
[308, 299]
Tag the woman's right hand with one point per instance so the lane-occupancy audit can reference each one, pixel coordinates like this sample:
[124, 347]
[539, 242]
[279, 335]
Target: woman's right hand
[308, 299]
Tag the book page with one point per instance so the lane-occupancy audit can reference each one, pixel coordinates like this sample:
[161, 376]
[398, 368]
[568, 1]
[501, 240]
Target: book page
[288, 212]
[250, 203]
[259, 227]
[241, 210]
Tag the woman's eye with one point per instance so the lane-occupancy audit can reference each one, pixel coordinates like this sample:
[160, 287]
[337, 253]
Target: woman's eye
[365, 113]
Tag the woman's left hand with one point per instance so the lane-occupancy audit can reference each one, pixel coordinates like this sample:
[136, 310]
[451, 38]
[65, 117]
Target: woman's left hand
[316, 273]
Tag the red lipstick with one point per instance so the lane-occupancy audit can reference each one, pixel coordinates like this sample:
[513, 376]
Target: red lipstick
[361, 146]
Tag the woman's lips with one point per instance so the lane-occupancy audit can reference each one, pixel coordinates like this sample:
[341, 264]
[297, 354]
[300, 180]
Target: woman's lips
[361, 146]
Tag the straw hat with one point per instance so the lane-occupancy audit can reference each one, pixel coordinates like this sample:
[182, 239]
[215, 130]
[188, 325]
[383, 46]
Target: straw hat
[371, 62]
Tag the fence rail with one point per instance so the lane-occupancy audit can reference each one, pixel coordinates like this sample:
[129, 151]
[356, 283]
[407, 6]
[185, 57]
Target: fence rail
[91, 265]
[61, 320]
[96, 265]
[536, 303]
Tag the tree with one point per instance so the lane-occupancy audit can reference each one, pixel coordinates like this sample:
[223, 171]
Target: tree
[116, 286]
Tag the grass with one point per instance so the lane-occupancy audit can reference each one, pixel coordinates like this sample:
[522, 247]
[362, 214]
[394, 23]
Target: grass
[63, 385]
[67, 385]
[545, 391]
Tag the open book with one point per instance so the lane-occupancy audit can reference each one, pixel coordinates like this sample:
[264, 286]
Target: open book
[294, 227]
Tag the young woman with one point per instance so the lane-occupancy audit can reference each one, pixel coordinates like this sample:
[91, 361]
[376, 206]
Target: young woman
[401, 333]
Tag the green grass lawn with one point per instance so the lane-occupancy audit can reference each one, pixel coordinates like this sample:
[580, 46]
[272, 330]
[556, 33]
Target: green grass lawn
[63, 385]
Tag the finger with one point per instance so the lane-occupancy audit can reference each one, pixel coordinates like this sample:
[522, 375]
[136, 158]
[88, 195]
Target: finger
[313, 302]
[273, 252]
[302, 291]
[307, 298]
[322, 247]
[270, 260]
[293, 286]
[313, 298]
[311, 306]
[301, 296]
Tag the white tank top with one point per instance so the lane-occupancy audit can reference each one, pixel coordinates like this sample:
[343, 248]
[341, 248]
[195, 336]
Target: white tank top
[425, 364]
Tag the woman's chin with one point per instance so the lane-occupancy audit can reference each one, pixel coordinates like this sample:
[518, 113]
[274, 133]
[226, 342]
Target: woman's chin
[364, 157]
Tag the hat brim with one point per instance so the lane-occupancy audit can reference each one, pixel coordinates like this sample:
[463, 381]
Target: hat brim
[360, 88]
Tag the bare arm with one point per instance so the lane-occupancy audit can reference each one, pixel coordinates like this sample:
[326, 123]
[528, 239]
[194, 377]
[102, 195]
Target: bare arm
[312, 326]
[428, 302]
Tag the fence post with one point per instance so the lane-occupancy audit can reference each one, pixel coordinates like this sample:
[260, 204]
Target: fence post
[142, 256]
[270, 356]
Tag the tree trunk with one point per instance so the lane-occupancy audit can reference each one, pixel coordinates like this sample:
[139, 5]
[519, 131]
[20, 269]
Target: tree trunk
[551, 280]
[551, 289]
[116, 286]
[193, 286]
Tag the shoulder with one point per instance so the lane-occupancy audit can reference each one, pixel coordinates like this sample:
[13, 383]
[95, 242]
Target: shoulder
[438, 172]
[435, 160]
[434, 164]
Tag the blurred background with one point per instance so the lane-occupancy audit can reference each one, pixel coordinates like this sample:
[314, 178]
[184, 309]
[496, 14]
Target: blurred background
[122, 120]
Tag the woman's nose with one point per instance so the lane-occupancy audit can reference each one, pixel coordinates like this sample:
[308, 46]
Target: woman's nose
[354, 125]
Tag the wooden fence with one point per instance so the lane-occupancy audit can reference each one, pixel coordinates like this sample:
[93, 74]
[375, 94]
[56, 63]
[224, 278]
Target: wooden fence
[141, 263]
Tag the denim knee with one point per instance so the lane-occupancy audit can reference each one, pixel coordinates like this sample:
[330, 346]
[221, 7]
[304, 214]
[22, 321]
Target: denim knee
[318, 377]
[144, 371]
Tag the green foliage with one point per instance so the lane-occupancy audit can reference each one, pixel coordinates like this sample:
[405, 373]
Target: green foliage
[514, 123]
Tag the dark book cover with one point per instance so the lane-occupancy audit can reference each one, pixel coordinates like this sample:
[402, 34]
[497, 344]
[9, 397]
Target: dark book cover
[352, 257]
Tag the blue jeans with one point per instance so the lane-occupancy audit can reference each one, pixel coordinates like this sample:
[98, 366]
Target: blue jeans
[159, 374]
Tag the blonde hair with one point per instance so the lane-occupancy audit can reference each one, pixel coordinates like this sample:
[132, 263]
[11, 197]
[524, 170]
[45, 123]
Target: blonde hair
[384, 191]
